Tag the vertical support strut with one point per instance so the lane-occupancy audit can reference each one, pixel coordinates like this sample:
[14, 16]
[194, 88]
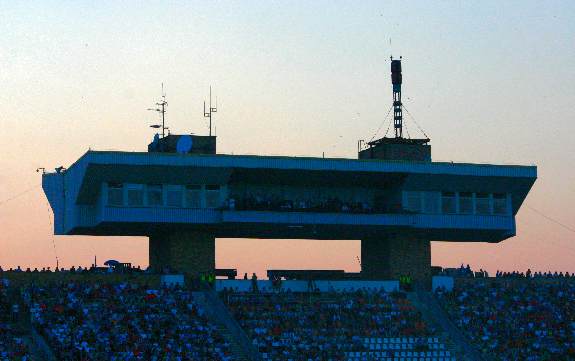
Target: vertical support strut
[397, 114]
[397, 105]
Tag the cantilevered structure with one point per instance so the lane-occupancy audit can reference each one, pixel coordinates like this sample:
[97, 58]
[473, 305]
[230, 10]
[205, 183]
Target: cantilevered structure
[182, 195]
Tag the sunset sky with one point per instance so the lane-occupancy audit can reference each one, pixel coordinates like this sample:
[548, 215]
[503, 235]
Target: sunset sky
[488, 81]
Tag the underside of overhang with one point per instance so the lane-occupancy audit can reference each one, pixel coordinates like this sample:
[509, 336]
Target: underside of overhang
[283, 231]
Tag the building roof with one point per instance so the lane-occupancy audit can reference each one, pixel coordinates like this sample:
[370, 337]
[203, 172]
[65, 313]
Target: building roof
[304, 163]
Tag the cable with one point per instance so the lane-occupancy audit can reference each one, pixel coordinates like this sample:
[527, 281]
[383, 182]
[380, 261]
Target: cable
[382, 123]
[415, 121]
[551, 241]
[387, 130]
[406, 130]
[552, 219]
[18, 195]
[53, 237]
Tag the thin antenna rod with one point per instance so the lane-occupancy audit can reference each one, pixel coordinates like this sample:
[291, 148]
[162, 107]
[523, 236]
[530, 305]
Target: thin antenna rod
[161, 108]
[163, 105]
[212, 109]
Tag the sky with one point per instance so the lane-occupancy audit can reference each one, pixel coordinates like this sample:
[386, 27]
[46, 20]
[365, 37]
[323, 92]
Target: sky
[489, 82]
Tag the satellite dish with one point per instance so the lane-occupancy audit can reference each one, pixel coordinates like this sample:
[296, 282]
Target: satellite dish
[184, 144]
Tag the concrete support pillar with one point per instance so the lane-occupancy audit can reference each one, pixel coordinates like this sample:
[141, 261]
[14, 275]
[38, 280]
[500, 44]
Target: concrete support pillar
[183, 252]
[390, 258]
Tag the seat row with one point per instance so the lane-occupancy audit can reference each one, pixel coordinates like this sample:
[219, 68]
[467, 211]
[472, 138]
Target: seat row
[383, 358]
[396, 354]
[401, 339]
[402, 346]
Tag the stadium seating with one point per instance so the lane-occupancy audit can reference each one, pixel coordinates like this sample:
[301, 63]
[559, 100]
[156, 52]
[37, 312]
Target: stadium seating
[336, 326]
[516, 319]
[506, 318]
[12, 346]
[82, 321]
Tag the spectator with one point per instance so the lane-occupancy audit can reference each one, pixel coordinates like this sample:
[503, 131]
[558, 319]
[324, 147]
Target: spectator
[254, 282]
[514, 319]
[290, 326]
[124, 322]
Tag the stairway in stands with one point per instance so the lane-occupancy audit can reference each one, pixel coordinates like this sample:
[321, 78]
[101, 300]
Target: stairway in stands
[228, 327]
[22, 327]
[434, 314]
[234, 345]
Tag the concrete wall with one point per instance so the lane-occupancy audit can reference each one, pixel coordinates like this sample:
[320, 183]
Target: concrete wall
[396, 256]
[302, 286]
[190, 253]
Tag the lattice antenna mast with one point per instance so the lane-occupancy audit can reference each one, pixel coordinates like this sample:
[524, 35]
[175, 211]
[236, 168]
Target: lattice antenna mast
[397, 105]
[161, 108]
[213, 109]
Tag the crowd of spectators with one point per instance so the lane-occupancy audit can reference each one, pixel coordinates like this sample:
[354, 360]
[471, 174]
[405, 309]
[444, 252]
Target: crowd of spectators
[119, 268]
[516, 319]
[467, 272]
[75, 270]
[82, 321]
[271, 203]
[327, 326]
[12, 345]
[462, 272]
[529, 274]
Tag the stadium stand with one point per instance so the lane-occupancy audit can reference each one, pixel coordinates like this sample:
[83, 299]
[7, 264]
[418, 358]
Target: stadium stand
[515, 319]
[83, 321]
[336, 326]
[12, 345]
[513, 316]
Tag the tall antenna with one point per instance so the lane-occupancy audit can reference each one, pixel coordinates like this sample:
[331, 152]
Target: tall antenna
[211, 110]
[397, 105]
[161, 108]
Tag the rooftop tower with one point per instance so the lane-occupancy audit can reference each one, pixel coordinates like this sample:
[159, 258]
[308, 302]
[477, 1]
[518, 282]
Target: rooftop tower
[398, 147]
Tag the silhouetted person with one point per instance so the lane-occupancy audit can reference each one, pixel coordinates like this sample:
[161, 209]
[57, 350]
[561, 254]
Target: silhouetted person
[254, 282]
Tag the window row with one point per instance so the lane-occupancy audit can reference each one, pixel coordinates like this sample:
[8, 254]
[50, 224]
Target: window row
[456, 203]
[163, 195]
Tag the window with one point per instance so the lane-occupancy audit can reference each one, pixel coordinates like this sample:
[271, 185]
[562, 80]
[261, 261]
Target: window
[135, 195]
[499, 203]
[115, 194]
[431, 202]
[212, 196]
[448, 202]
[412, 201]
[174, 196]
[465, 202]
[155, 195]
[194, 196]
[482, 203]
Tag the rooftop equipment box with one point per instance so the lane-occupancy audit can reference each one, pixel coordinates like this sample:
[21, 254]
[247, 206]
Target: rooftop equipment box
[190, 144]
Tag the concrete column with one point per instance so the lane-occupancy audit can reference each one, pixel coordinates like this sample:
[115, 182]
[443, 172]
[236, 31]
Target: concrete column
[392, 257]
[184, 252]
